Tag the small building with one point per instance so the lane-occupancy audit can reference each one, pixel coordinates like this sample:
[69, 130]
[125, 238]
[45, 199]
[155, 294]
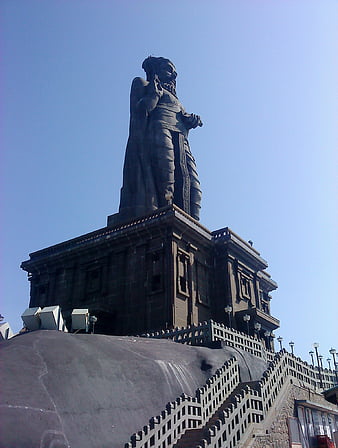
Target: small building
[317, 422]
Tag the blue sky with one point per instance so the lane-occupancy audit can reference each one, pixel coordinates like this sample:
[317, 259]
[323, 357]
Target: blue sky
[262, 75]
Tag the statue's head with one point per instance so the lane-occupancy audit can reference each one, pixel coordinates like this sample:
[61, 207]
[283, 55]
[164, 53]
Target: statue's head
[161, 67]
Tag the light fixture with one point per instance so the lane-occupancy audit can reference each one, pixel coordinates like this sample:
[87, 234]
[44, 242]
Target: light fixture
[93, 320]
[292, 344]
[267, 335]
[169, 197]
[333, 352]
[280, 340]
[246, 319]
[257, 327]
[228, 310]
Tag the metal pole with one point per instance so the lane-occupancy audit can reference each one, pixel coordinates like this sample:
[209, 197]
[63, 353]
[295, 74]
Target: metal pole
[246, 319]
[321, 361]
[257, 328]
[315, 346]
[311, 353]
[267, 335]
[228, 310]
[333, 353]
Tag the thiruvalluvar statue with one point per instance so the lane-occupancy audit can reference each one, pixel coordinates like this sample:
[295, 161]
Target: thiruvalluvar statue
[159, 168]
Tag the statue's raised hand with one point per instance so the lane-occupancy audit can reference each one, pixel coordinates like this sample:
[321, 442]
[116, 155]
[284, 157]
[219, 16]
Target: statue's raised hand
[156, 87]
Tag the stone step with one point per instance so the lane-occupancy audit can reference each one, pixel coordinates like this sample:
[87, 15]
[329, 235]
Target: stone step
[192, 437]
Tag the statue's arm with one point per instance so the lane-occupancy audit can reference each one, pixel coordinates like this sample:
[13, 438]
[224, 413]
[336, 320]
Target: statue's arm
[144, 95]
[191, 120]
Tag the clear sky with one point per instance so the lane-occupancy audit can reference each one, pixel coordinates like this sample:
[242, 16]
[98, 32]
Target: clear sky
[263, 76]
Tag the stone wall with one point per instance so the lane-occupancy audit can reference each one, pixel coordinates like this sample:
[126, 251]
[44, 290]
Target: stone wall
[277, 433]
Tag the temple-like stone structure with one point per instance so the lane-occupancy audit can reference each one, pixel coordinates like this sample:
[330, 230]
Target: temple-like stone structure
[156, 272]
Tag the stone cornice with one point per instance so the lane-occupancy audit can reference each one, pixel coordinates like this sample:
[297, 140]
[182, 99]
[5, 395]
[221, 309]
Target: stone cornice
[169, 214]
[240, 247]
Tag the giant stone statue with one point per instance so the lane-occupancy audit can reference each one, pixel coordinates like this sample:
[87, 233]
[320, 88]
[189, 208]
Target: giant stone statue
[159, 168]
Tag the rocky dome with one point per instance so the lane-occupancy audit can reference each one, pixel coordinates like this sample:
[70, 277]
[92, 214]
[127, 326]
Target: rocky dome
[80, 390]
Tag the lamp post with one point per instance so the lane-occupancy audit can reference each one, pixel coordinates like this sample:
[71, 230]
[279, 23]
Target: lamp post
[280, 340]
[228, 310]
[257, 327]
[333, 352]
[93, 320]
[311, 353]
[292, 344]
[246, 319]
[267, 335]
[328, 360]
[321, 361]
[169, 198]
[315, 346]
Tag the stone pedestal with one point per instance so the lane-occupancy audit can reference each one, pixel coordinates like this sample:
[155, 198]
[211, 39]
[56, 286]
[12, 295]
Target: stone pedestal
[161, 271]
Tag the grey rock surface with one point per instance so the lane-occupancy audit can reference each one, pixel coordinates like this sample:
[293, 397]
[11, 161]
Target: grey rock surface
[60, 389]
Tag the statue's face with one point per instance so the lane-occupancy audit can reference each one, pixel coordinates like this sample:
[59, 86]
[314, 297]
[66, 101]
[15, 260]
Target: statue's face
[167, 72]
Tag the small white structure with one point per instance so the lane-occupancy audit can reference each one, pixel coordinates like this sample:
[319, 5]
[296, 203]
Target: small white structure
[5, 331]
[31, 318]
[80, 319]
[51, 318]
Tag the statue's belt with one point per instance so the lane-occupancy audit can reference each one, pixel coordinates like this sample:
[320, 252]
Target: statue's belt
[172, 107]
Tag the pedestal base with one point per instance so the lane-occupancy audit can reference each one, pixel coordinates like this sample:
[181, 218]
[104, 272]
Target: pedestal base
[160, 271]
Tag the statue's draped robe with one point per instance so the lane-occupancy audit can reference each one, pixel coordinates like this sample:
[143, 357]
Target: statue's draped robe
[158, 157]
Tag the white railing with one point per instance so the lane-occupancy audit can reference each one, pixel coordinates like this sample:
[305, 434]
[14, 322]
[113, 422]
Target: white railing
[249, 407]
[234, 421]
[209, 331]
[187, 412]
[238, 339]
[192, 334]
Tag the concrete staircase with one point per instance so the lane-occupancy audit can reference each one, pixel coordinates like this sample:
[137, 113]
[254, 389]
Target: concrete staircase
[229, 413]
[193, 437]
